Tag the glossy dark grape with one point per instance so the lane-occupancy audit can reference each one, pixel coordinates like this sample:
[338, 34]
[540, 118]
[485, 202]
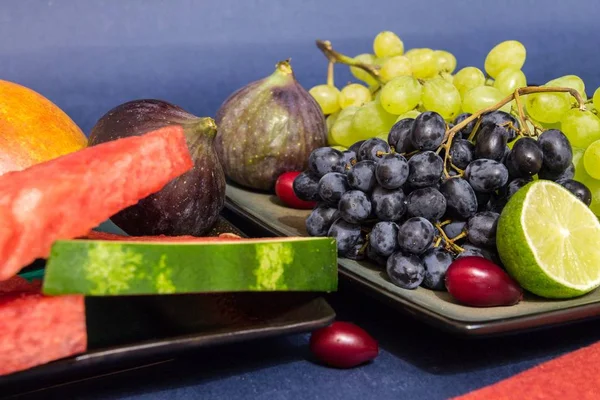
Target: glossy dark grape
[428, 203]
[354, 206]
[490, 143]
[436, 263]
[383, 238]
[391, 171]
[481, 229]
[568, 173]
[466, 131]
[486, 176]
[332, 186]
[375, 257]
[345, 234]
[462, 153]
[496, 203]
[306, 186]
[502, 119]
[361, 176]
[357, 252]
[388, 205]
[356, 146]
[416, 235]
[578, 189]
[406, 271]
[425, 169]
[513, 186]
[371, 148]
[460, 198]
[349, 158]
[399, 135]
[472, 250]
[454, 228]
[505, 156]
[482, 200]
[320, 219]
[525, 159]
[324, 160]
[428, 131]
[557, 151]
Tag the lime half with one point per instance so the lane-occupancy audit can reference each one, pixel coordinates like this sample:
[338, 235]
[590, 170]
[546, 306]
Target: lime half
[549, 241]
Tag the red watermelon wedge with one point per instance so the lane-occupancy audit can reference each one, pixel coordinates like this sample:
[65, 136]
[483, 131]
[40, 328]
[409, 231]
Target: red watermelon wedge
[36, 329]
[66, 197]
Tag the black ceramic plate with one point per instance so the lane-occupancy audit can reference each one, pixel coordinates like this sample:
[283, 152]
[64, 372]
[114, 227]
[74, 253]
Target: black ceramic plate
[269, 217]
[126, 332]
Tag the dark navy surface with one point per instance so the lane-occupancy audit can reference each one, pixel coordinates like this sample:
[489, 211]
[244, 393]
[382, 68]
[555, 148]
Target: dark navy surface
[89, 56]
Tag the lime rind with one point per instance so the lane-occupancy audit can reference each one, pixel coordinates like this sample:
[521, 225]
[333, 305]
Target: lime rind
[549, 241]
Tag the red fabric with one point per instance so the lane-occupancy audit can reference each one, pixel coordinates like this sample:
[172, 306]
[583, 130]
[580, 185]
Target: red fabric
[573, 376]
[36, 329]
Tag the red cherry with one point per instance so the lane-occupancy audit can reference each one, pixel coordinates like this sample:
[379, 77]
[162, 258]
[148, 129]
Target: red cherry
[478, 282]
[343, 345]
[284, 189]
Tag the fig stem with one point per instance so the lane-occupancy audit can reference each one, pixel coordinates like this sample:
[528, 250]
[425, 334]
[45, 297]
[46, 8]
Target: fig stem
[332, 55]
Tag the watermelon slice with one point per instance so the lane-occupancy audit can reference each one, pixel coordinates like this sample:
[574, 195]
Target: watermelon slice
[37, 329]
[66, 197]
[130, 267]
[97, 235]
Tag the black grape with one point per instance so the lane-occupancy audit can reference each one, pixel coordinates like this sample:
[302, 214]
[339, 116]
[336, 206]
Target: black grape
[481, 228]
[324, 160]
[428, 203]
[486, 176]
[578, 189]
[416, 235]
[389, 205]
[361, 176]
[491, 143]
[399, 135]
[424, 169]
[460, 198]
[568, 173]
[345, 234]
[332, 186]
[436, 263]
[406, 271]
[462, 153]
[356, 146]
[525, 159]
[428, 131]
[391, 171]
[557, 151]
[513, 186]
[501, 119]
[354, 206]
[384, 238]
[454, 228]
[370, 149]
[320, 219]
[306, 186]
[466, 131]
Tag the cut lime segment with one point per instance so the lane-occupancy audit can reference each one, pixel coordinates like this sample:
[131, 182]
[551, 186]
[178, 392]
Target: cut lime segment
[549, 241]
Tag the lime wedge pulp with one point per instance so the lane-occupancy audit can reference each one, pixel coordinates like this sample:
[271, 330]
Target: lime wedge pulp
[549, 241]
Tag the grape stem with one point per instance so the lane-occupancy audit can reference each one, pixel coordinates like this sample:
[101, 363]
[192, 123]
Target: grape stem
[449, 136]
[330, 81]
[450, 245]
[334, 56]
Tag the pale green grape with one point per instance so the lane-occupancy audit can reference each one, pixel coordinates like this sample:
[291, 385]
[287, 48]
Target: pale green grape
[544, 125]
[370, 121]
[348, 111]
[423, 62]
[340, 148]
[594, 186]
[401, 94]
[570, 81]
[596, 99]
[510, 79]
[394, 67]
[580, 173]
[331, 120]
[547, 107]
[582, 128]
[341, 133]
[508, 54]
[482, 97]
[354, 94]
[387, 44]
[410, 114]
[591, 160]
[361, 74]
[328, 98]
[446, 62]
[442, 97]
[467, 79]
[448, 77]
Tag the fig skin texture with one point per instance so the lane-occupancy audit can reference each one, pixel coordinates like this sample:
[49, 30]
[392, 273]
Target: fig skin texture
[188, 205]
[268, 127]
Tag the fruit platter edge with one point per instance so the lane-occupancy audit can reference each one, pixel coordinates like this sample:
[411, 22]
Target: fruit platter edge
[434, 307]
[133, 332]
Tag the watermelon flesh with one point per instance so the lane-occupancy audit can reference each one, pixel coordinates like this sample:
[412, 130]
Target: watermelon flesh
[66, 197]
[36, 329]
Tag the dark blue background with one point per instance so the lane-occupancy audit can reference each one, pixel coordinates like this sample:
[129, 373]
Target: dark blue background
[89, 56]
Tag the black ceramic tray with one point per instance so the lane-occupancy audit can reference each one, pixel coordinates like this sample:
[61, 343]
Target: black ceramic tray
[127, 332]
[269, 217]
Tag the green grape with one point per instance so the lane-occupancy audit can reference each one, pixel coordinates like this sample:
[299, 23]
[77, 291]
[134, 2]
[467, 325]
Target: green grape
[369, 121]
[348, 111]
[594, 186]
[582, 128]
[361, 74]
[401, 94]
[354, 94]
[547, 107]
[448, 77]
[591, 160]
[423, 62]
[387, 44]
[508, 54]
[340, 148]
[341, 133]
[410, 114]
[596, 99]
[442, 97]
[467, 79]
[570, 81]
[394, 67]
[327, 96]
[482, 97]
[510, 79]
[331, 119]
[446, 62]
